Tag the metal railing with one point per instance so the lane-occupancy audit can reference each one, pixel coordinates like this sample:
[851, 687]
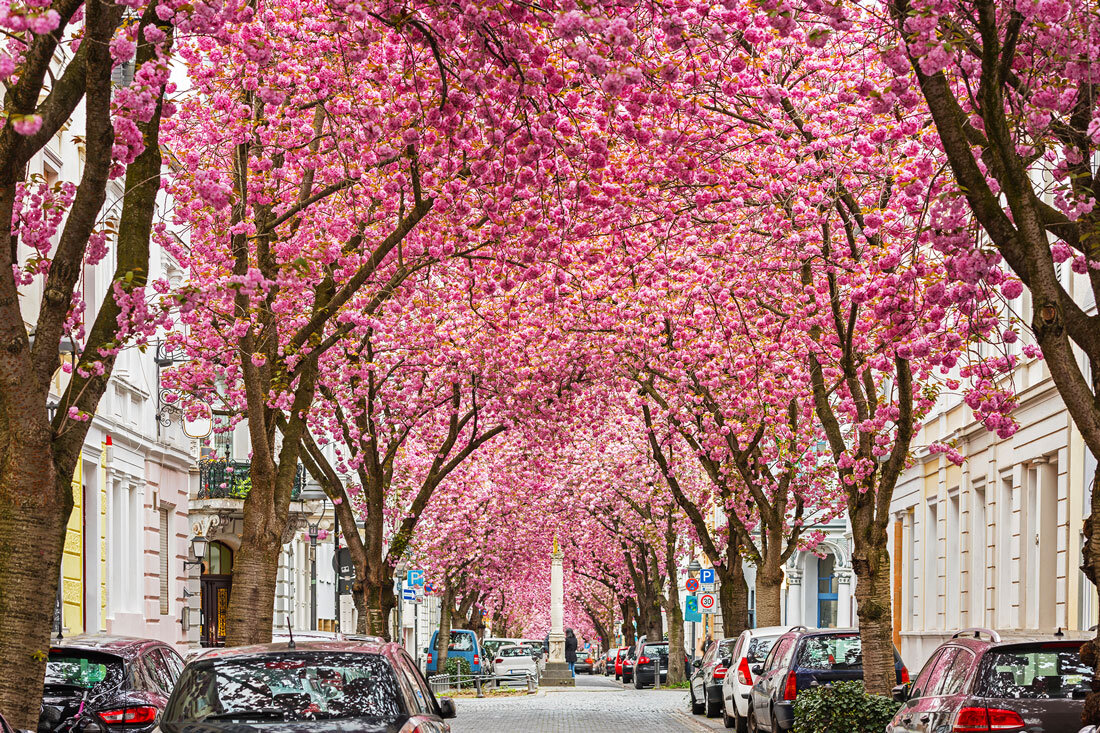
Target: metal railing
[445, 683]
[222, 479]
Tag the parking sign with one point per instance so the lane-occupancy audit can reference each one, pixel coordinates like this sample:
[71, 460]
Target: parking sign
[415, 578]
[706, 576]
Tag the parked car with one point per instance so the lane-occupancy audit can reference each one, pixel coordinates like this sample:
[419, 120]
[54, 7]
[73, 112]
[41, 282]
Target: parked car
[751, 649]
[318, 686]
[609, 660]
[707, 675]
[463, 644]
[620, 657]
[515, 659]
[627, 673]
[587, 661]
[798, 659]
[119, 683]
[490, 646]
[972, 683]
[652, 658]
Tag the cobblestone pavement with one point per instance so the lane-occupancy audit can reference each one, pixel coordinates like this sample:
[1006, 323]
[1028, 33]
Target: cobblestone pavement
[597, 705]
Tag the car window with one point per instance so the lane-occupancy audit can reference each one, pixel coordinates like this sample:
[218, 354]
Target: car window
[943, 664]
[175, 662]
[840, 652]
[157, 669]
[954, 678]
[515, 651]
[1047, 670]
[461, 642]
[776, 657]
[725, 648]
[414, 699]
[73, 668]
[288, 686]
[424, 690]
[921, 683]
[759, 646]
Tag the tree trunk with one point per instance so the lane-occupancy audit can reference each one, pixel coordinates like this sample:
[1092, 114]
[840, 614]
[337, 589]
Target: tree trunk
[378, 602]
[733, 595]
[33, 517]
[675, 638]
[443, 640]
[628, 608]
[251, 614]
[769, 596]
[871, 562]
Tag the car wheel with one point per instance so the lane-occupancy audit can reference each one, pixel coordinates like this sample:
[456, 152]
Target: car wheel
[638, 682]
[775, 723]
[696, 706]
[753, 727]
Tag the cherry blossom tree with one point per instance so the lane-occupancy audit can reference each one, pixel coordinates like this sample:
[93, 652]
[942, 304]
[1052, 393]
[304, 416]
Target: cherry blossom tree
[57, 66]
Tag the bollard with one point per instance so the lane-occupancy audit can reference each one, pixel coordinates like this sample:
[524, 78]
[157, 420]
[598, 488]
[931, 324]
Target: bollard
[477, 686]
[530, 685]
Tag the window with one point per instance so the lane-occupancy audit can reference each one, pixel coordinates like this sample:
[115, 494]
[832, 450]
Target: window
[778, 653]
[164, 545]
[218, 561]
[832, 653]
[827, 587]
[921, 683]
[955, 677]
[759, 647]
[1048, 670]
[943, 664]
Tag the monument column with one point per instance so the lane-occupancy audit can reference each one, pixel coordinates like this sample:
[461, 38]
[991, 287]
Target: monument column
[557, 672]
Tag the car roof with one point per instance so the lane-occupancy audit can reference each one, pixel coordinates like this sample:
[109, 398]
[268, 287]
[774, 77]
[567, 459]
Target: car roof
[981, 644]
[126, 647]
[281, 647]
[769, 631]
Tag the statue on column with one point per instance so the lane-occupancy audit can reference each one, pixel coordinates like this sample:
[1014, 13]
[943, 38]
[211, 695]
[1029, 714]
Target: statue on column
[557, 670]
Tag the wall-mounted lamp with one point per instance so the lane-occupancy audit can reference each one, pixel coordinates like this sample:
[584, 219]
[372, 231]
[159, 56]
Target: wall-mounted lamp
[199, 544]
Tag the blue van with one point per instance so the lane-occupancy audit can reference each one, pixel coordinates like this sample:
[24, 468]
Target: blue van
[463, 644]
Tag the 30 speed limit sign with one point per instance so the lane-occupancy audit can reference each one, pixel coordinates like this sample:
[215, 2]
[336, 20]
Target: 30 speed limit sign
[707, 603]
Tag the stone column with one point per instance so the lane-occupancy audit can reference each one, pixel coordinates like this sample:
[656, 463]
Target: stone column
[557, 670]
[794, 597]
[844, 599]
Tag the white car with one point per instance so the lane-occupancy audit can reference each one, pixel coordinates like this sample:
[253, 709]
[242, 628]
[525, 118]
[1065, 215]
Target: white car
[515, 659]
[751, 648]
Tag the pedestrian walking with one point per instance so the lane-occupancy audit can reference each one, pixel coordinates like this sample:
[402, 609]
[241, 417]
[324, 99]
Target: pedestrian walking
[571, 650]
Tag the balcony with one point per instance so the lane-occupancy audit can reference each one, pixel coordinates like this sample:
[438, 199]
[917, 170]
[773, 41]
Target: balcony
[221, 479]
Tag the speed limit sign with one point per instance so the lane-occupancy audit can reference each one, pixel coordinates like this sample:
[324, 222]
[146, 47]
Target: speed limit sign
[707, 603]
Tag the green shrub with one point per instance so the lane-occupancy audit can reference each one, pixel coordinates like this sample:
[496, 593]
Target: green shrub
[457, 666]
[842, 707]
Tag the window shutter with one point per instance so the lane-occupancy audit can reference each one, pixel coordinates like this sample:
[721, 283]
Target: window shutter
[164, 562]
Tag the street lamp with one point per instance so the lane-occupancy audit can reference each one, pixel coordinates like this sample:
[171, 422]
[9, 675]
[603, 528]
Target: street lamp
[313, 532]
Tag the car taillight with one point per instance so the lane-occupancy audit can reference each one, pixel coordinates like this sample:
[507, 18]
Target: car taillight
[477, 660]
[719, 672]
[904, 675]
[790, 690]
[744, 676]
[429, 658]
[986, 720]
[498, 660]
[129, 716]
[643, 660]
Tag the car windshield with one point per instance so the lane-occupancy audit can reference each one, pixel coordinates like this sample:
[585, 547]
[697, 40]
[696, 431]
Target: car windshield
[653, 650]
[91, 671]
[832, 652]
[759, 646]
[308, 685]
[461, 642]
[1032, 672]
[515, 651]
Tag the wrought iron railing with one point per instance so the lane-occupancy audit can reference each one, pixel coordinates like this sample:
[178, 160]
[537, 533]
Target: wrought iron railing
[221, 479]
[442, 684]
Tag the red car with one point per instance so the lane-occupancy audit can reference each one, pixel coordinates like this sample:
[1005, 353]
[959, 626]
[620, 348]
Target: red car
[620, 657]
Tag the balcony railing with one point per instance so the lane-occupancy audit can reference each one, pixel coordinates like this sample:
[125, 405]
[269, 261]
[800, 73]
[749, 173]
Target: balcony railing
[220, 479]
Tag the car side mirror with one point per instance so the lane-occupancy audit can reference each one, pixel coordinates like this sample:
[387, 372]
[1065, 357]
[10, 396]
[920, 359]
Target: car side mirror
[447, 708]
[726, 661]
[697, 663]
[900, 693]
[757, 669]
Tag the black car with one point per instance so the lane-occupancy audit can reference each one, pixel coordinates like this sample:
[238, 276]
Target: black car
[586, 662]
[113, 683]
[973, 683]
[651, 656]
[799, 659]
[316, 686]
[706, 681]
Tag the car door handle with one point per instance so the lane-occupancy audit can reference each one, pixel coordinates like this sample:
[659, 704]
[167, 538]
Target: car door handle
[925, 718]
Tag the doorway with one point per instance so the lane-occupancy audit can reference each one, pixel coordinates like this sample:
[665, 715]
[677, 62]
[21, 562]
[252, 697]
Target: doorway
[216, 584]
[827, 592]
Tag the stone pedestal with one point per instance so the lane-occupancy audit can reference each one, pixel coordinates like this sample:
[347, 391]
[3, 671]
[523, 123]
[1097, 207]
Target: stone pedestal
[557, 672]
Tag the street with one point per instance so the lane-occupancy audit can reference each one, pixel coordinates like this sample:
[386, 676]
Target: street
[597, 705]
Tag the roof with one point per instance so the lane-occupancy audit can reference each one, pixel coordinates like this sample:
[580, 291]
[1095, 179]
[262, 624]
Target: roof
[282, 647]
[122, 646]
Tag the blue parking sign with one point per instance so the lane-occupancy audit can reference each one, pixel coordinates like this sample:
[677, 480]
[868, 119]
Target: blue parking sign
[706, 576]
[415, 578]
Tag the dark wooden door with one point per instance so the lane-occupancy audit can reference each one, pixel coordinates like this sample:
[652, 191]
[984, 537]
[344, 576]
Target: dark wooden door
[215, 606]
